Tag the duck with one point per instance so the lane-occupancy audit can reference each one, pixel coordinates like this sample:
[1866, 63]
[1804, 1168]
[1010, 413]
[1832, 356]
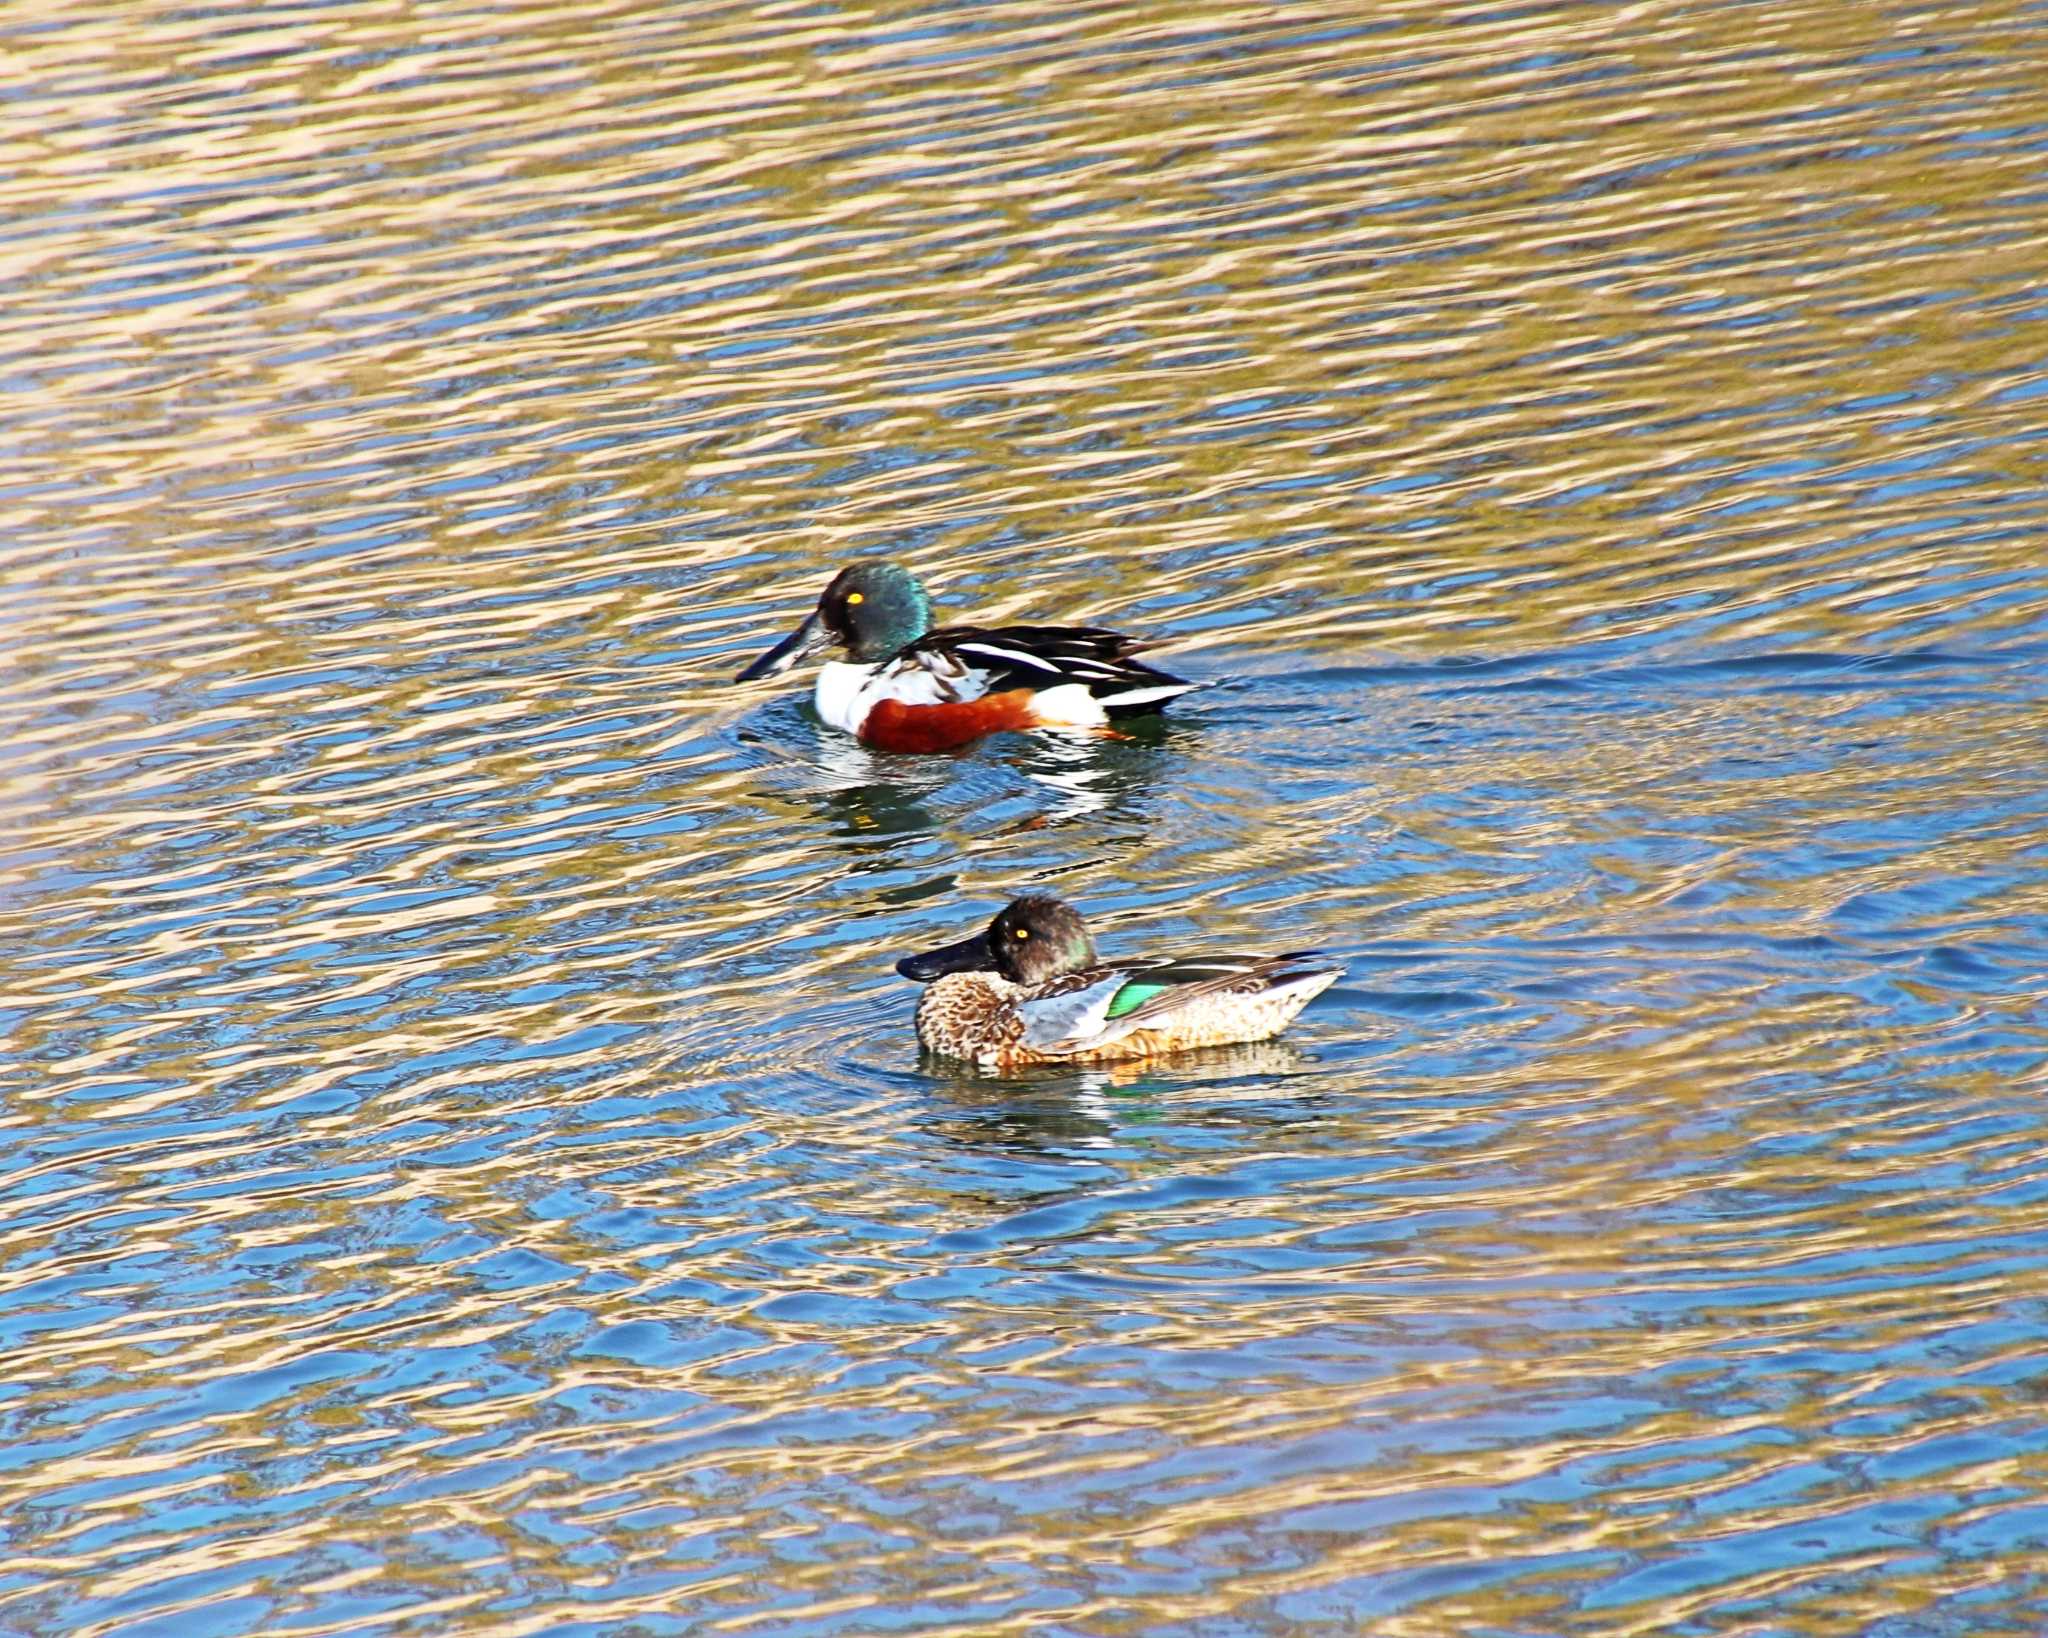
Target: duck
[1030, 989]
[905, 686]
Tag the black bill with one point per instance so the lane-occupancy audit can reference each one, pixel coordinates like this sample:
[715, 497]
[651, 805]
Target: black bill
[970, 955]
[800, 644]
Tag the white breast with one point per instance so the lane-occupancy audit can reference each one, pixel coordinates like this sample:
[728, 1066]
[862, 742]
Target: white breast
[847, 693]
[838, 695]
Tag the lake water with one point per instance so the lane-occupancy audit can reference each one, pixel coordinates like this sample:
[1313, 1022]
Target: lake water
[467, 1167]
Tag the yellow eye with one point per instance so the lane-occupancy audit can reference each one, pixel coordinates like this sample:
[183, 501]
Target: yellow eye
[1023, 932]
[855, 597]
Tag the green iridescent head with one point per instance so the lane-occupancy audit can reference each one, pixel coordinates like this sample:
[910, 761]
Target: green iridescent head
[870, 609]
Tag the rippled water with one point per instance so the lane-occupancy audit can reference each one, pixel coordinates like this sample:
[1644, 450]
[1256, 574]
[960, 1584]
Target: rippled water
[468, 1169]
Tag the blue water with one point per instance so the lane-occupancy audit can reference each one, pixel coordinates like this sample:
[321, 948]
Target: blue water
[471, 1170]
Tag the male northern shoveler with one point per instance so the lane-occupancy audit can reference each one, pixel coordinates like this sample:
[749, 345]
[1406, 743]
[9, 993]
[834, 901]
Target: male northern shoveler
[910, 688]
[1029, 990]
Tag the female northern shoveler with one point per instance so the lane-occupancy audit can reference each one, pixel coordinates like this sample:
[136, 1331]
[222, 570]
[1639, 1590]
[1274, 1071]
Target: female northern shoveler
[910, 688]
[1029, 990]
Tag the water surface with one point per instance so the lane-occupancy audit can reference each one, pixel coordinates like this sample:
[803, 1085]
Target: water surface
[468, 1168]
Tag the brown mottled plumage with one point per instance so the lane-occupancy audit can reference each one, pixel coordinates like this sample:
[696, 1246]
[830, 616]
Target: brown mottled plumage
[973, 1015]
[996, 998]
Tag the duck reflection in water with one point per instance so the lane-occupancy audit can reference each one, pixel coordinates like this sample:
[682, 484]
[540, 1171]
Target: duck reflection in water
[1061, 1108]
[864, 795]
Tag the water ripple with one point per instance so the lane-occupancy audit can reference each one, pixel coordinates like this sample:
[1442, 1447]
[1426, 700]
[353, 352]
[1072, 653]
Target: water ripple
[470, 1170]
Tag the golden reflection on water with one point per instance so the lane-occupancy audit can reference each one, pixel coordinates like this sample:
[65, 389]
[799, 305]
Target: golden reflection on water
[468, 1171]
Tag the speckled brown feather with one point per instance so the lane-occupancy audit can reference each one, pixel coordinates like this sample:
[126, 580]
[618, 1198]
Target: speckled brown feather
[974, 1016]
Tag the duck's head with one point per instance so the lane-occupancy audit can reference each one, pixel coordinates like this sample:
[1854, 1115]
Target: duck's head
[871, 610]
[1035, 939]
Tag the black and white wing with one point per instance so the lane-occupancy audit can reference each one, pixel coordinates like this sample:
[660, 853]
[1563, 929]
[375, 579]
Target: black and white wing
[1049, 656]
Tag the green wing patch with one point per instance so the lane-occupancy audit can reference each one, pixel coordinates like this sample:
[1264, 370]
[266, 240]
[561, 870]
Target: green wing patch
[1133, 996]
